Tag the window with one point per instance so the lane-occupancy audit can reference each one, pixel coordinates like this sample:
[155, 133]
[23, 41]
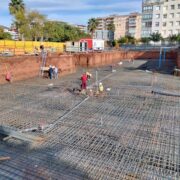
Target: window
[147, 16]
[171, 23]
[148, 24]
[170, 32]
[178, 6]
[165, 16]
[158, 8]
[164, 24]
[147, 8]
[165, 8]
[177, 23]
[178, 15]
[178, 31]
[171, 15]
[157, 24]
[172, 6]
[164, 32]
[157, 16]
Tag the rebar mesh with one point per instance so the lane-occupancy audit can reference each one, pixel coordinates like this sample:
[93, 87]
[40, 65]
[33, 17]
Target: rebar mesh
[125, 133]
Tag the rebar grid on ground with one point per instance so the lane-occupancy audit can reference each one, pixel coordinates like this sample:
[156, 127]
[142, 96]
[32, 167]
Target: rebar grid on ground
[128, 133]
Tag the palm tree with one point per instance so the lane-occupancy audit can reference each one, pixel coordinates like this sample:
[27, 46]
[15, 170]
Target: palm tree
[16, 6]
[92, 25]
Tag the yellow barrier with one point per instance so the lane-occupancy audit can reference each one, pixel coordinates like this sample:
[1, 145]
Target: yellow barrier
[28, 47]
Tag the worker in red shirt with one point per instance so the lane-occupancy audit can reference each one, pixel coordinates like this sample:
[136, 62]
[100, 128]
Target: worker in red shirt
[8, 76]
[84, 81]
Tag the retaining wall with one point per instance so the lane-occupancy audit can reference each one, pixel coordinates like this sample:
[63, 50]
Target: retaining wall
[24, 67]
[100, 59]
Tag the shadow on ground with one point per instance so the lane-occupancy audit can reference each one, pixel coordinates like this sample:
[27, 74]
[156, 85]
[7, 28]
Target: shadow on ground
[153, 65]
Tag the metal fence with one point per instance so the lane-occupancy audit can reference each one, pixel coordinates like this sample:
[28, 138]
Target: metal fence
[147, 47]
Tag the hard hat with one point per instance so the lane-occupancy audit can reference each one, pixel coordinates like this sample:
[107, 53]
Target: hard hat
[100, 83]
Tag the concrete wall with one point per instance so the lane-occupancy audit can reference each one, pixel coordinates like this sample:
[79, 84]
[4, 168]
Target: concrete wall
[24, 67]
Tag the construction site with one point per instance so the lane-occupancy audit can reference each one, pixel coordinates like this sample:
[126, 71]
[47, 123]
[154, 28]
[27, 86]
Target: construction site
[131, 131]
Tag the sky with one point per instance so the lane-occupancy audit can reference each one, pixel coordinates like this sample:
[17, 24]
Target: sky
[73, 11]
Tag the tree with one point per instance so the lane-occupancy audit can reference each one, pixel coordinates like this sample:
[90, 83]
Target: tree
[127, 40]
[178, 38]
[61, 32]
[92, 25]
[36, 23]
[16, 6]
[17, 9]
[123, 40]
[173, 38]
[145, 40]
[4, 35]
[33, 26]
[155, 37]
[131, 40]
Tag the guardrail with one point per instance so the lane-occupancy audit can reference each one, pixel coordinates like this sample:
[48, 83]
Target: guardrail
[147, 47]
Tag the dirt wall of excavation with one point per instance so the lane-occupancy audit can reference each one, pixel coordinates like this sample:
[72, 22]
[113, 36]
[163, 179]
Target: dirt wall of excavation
[24, 67]
[100, 59]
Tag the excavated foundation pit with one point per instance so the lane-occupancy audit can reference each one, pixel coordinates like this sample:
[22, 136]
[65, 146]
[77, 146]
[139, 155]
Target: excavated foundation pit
[126, 133]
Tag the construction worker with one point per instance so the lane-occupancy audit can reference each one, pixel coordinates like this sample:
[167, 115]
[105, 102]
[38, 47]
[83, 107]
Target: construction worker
[50, 72]
[56, 72]
[9, 76]
[101, 87]
[84, 81]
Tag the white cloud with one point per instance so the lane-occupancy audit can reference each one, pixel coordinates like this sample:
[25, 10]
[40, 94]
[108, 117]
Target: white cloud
[77, 5]
[74, 11]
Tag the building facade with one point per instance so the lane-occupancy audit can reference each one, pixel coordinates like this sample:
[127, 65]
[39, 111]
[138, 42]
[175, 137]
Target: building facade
[124, 25]
[162, 16]
[13, 32]
[121, 26]
[134, 25]
[105, 35]
[82, 28]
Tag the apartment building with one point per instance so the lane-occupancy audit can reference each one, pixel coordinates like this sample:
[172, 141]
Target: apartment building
[166, 18]
[162, 16]
[121, 26]
[82, 28]
[105, 35]
[124, 25]
[134, 25]
[104, 22]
